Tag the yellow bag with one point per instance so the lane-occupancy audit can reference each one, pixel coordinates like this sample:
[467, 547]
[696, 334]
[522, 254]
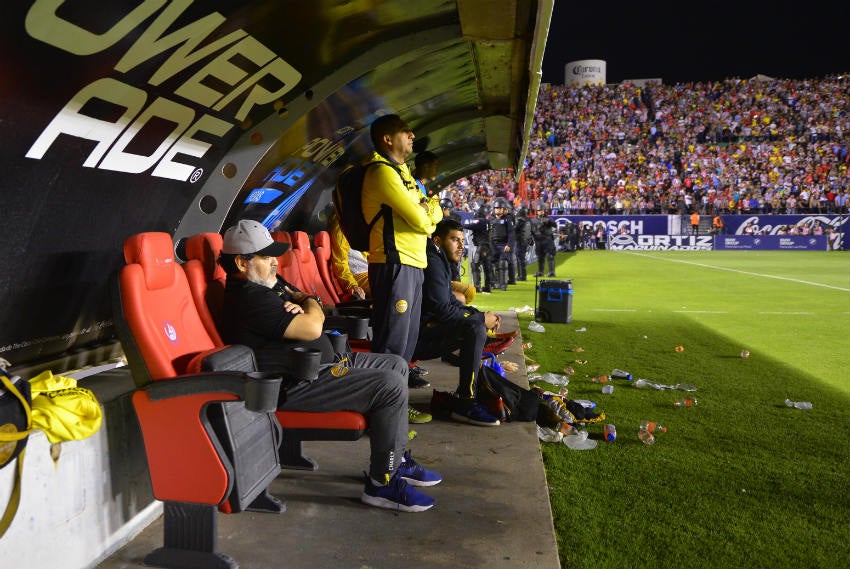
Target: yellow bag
[62, 410]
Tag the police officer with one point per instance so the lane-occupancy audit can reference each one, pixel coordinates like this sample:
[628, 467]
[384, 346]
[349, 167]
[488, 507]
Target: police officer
[503, 241]
[543, 229]
[523, 241]
[483, 254]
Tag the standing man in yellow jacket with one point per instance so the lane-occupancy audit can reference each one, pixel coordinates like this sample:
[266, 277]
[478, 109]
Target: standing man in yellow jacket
[397, 242]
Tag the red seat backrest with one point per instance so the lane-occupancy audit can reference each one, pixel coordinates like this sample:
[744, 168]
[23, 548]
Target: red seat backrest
[158, 306]
[322, 253]
[310, 277]
[287, 265]
[206, 279]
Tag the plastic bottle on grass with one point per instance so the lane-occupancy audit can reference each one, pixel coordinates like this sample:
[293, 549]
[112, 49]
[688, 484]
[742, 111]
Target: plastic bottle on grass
[646, 437]
[557, 405]
[686, 402]
[621, 374]
[535, 326]
[599, 378]
[549, 435]
[805, 405]
[555, 379]
[586, 403]
[652, 427]
[608, 389]
[610, 433]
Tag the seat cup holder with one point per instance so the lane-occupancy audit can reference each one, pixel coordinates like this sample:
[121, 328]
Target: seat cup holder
[261, 391]
[305, 363]
[338, 339]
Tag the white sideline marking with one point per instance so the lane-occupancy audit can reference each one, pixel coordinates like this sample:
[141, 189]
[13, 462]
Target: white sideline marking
[788, 313]
[702, 311]
[742, 272]
[614, 309]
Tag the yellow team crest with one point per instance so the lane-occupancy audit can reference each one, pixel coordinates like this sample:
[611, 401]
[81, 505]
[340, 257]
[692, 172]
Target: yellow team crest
[401, 306]
[339, 371]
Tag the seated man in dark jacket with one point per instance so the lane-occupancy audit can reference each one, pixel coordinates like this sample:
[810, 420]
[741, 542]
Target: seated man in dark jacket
[261, 311]
[447, 324]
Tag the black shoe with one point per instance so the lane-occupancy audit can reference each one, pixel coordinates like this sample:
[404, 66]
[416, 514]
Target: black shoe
[538, 274]
[420, 370]
[551, 275]
[416, 381]
[511, 282]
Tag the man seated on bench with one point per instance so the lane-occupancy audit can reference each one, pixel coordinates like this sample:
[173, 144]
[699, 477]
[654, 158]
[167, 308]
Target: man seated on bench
[447, 324]
[272, 322]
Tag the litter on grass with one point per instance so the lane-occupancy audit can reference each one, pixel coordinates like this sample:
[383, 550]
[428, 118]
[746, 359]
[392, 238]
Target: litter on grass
[641, 382]
[579, 441]
[555, 379]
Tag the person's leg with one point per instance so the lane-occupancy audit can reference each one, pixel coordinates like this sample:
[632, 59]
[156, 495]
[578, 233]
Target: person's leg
[372, 384]
[397, 295]
[473, 336]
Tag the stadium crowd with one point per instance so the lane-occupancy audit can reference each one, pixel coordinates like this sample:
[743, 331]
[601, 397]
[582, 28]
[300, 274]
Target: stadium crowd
[738, 146]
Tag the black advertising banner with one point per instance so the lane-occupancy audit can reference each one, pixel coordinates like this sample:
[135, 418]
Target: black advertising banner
[113, 116]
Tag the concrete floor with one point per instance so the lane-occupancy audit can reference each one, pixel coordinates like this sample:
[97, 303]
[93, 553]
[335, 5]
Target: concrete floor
[492, 507]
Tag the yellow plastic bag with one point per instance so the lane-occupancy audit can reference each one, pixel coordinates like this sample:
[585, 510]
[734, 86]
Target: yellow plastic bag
[62, 410]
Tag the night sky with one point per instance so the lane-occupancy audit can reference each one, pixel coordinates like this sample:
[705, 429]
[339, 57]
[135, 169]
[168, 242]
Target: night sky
[701, 41]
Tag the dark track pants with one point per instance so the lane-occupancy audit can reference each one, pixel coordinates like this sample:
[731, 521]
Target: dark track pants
[397, 304]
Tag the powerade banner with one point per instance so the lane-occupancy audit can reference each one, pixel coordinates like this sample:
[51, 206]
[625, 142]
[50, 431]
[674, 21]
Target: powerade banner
[771, 242]
[779, 224]
[616, 224]
[114, 115]
[623, 242]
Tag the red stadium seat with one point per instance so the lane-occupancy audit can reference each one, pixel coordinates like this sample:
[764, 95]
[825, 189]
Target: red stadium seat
[197, 464]
[287, 265]
[310, 277]
[202, 251]
[206, 279]
[322, 254]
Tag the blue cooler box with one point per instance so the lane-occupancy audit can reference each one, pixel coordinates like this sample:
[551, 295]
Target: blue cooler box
[555, 301]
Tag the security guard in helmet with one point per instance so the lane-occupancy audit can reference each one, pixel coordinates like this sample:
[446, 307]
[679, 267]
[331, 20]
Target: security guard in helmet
[503, 242]
[543, 229]
[523, 242]
[482, 256]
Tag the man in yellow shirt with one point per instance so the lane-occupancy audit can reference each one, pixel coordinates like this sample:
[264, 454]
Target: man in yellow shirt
[349, 266]
[397, 242]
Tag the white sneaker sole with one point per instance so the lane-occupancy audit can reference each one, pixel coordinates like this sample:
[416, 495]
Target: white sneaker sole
[420, 483]
[390, 505]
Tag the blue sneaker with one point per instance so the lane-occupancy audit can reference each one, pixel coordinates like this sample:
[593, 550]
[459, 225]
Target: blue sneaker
[397, 495]
[415, 474]
[475, 415]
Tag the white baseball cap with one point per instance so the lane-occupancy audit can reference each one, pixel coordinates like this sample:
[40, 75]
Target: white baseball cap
[249, 237]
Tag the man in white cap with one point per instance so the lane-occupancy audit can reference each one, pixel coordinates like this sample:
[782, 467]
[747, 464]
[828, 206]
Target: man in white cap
[271, 317]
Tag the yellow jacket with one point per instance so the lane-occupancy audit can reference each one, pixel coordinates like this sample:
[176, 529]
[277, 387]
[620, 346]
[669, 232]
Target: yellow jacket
[402, 236]
[340, 250]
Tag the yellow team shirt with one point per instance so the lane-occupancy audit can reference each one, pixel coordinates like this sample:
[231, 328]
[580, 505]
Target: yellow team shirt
[401, 238]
